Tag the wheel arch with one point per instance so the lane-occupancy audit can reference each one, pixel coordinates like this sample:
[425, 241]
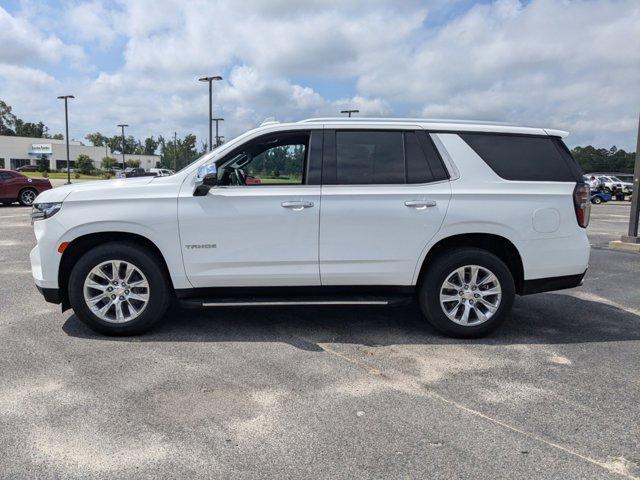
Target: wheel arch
[498, 245]
[82, 244]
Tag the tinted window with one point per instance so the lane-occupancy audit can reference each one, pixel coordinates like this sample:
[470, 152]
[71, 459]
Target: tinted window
[371, 157]
[433, 157]
[525, 158]
[418, 170]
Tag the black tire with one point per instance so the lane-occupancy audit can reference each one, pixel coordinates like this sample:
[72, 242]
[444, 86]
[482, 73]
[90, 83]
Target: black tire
[26, 196]
[437, 272]
[160, 294]
[596, 200]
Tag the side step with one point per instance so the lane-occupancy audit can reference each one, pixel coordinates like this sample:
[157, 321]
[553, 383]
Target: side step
[282, 301]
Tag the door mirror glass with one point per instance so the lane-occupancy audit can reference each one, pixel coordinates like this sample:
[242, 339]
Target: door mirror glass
[206, 178]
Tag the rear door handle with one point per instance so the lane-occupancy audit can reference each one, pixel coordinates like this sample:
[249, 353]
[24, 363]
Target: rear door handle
[420, 204]
[297, 205]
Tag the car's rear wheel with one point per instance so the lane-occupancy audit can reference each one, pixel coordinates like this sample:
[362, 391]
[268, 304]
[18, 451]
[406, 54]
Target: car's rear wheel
[119, 288]
[466, 292]
[597, 200]
[27, 196]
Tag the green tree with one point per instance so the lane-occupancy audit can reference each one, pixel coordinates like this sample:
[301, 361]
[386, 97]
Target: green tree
[84, 164]
[12, 125]
[108, 163]
[28, 129]
[43, 163]
[593, 159]
[133, 163]
[150, 146]
[7, 119]
[97, 139]
[183, 152]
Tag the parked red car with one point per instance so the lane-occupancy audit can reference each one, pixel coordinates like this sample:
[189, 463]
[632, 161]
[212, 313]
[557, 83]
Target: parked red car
[15, 187]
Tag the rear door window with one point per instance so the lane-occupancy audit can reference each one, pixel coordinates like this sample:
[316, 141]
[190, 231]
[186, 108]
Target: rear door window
[525, 157]
[379, 157]
[369, 157]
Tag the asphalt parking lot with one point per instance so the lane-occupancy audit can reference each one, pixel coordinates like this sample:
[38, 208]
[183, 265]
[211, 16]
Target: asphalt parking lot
[325, 393]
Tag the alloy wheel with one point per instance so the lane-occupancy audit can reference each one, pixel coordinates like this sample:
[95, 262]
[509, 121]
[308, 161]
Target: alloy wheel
[470, 295]
[116, 291]
[28, 196]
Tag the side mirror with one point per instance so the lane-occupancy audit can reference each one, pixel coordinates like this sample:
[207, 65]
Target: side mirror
[206, 179]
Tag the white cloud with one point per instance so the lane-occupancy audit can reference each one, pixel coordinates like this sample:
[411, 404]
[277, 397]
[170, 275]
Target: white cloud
[22, 44]
[92, 21]
[569, 64]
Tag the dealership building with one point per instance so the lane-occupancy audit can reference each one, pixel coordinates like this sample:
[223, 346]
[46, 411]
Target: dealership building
[16, 152]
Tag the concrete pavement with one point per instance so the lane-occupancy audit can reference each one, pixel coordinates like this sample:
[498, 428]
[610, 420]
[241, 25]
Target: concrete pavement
[324, 393]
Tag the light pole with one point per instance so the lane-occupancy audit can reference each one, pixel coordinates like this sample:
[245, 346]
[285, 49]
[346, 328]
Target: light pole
[217, 136]
[634, 215]
[210, 80]
[66, 124]
[349, 112]
[175, 151]
[122, 125]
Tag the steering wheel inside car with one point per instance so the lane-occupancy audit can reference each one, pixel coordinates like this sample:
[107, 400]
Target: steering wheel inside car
[238, 177]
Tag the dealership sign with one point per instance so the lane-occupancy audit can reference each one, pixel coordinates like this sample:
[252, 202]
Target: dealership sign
[40, 148]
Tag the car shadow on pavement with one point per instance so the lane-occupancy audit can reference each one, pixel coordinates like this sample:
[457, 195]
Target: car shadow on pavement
[537, 319]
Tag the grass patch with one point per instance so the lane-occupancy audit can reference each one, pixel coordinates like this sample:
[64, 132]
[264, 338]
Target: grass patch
[61, 176]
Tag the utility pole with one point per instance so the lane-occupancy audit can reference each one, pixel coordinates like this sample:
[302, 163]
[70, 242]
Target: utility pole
[349, 112]
[210, 80]
[66, 124]
[122, 125]
[217, 136]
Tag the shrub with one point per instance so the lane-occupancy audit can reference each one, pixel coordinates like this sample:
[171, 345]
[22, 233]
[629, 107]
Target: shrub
[76, 175]
[133, 163]
[84, 164]
[43, 164]
[108, 162]
[45, 174]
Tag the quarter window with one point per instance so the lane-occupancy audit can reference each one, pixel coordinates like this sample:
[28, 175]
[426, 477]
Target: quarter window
[525, 158]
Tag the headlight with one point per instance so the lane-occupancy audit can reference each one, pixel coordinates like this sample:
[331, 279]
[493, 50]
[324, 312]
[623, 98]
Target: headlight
[40, 211]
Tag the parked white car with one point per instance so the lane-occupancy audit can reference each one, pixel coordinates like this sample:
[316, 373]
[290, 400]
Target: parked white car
[611, 183]
[460, 216]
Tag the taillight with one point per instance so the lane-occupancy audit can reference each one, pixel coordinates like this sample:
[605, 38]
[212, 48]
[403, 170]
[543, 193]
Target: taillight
[582, 203]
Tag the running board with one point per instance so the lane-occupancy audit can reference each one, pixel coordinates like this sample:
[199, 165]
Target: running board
[297, 301]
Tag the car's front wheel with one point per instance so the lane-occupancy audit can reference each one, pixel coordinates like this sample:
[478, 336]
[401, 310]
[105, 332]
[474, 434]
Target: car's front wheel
[119, 288]
[466, 292]
[27, 196]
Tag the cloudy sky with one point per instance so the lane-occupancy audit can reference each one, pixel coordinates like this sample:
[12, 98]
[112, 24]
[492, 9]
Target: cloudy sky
[567, 64]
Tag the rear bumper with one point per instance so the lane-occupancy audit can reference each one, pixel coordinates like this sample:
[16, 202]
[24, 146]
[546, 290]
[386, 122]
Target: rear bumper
[550, 284]
[51, 295]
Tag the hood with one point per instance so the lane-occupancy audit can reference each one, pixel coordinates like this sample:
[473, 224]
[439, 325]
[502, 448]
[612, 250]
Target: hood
[99, 187]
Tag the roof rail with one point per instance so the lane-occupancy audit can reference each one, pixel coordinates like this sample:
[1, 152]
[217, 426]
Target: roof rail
[401, 120]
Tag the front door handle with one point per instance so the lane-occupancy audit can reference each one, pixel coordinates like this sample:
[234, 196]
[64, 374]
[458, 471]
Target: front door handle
[420, 204]
[297, 205]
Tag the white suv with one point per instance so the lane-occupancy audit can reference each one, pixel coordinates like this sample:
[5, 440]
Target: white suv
[460, 216]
